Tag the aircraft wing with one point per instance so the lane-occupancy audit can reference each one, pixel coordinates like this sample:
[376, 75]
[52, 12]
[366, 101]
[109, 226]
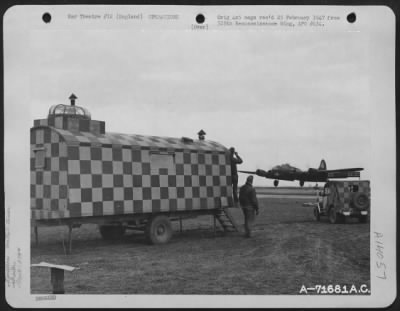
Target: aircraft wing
[260, 173]
[344, 174]
[247, 172]
[344, 170]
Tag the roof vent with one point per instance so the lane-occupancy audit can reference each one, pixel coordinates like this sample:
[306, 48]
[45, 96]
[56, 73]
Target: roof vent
[187, 140]
[72, 99]
[70, 110]
[202, 135]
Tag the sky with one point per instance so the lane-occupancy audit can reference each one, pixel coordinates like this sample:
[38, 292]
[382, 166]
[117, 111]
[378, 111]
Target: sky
[277, 97]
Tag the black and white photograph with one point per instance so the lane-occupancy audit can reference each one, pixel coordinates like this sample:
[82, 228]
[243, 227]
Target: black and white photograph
[208, 156]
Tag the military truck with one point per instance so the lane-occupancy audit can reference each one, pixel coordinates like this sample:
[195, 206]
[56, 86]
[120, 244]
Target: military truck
[341, 199]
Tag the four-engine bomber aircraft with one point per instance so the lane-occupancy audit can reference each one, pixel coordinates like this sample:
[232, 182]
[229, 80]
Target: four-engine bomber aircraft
[291, 173]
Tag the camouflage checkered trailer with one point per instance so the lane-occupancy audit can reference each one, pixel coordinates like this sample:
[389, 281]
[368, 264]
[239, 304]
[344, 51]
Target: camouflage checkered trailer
[82, 174]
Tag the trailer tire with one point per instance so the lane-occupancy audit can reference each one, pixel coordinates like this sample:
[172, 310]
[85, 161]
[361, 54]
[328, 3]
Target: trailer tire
[111, 232]
[158, 230]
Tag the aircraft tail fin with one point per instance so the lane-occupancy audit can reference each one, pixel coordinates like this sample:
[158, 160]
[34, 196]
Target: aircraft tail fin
[322, 165]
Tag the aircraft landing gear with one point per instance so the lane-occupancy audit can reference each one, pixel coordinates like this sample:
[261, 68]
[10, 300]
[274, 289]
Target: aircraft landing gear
[301, 183]
[276, 183]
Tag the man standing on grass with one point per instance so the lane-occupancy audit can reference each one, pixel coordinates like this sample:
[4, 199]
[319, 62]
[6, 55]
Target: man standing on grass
[249, 203]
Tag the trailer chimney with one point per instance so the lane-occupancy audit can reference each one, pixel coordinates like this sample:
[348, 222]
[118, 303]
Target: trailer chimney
[201, 135]
[72, 99]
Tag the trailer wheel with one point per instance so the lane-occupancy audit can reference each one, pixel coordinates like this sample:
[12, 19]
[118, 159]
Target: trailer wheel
[158, 230]
[333, 216]
[316, 214]
[111, 232]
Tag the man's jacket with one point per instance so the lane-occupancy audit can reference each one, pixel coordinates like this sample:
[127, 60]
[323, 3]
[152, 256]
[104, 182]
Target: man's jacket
[247, 196]
[234, 163]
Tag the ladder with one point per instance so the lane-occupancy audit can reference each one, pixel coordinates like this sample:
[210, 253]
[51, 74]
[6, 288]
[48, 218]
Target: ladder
[226, 220]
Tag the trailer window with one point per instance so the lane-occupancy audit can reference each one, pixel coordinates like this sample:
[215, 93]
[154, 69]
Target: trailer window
[39, 157]
[162, 161]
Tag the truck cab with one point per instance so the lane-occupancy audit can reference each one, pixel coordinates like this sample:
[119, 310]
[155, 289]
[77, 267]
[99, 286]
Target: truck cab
[341, 199]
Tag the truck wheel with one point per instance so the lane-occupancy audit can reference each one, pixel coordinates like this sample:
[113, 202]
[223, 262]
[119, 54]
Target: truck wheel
[360, 200]
[112, 232]
[333, 216]
[158, 230]
[363, 219]
[316, 214]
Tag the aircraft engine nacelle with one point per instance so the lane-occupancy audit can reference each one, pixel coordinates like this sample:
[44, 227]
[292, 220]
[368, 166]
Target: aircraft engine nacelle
[261, 173]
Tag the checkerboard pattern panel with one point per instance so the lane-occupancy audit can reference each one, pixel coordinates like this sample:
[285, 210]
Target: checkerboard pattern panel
[113, 174]
[49, 190]
[73, 124]
[100, 180]
[38, 214]
[344, 191]
[121, 180]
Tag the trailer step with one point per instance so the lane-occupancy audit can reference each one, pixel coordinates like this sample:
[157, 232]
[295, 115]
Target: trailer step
[226, 220]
